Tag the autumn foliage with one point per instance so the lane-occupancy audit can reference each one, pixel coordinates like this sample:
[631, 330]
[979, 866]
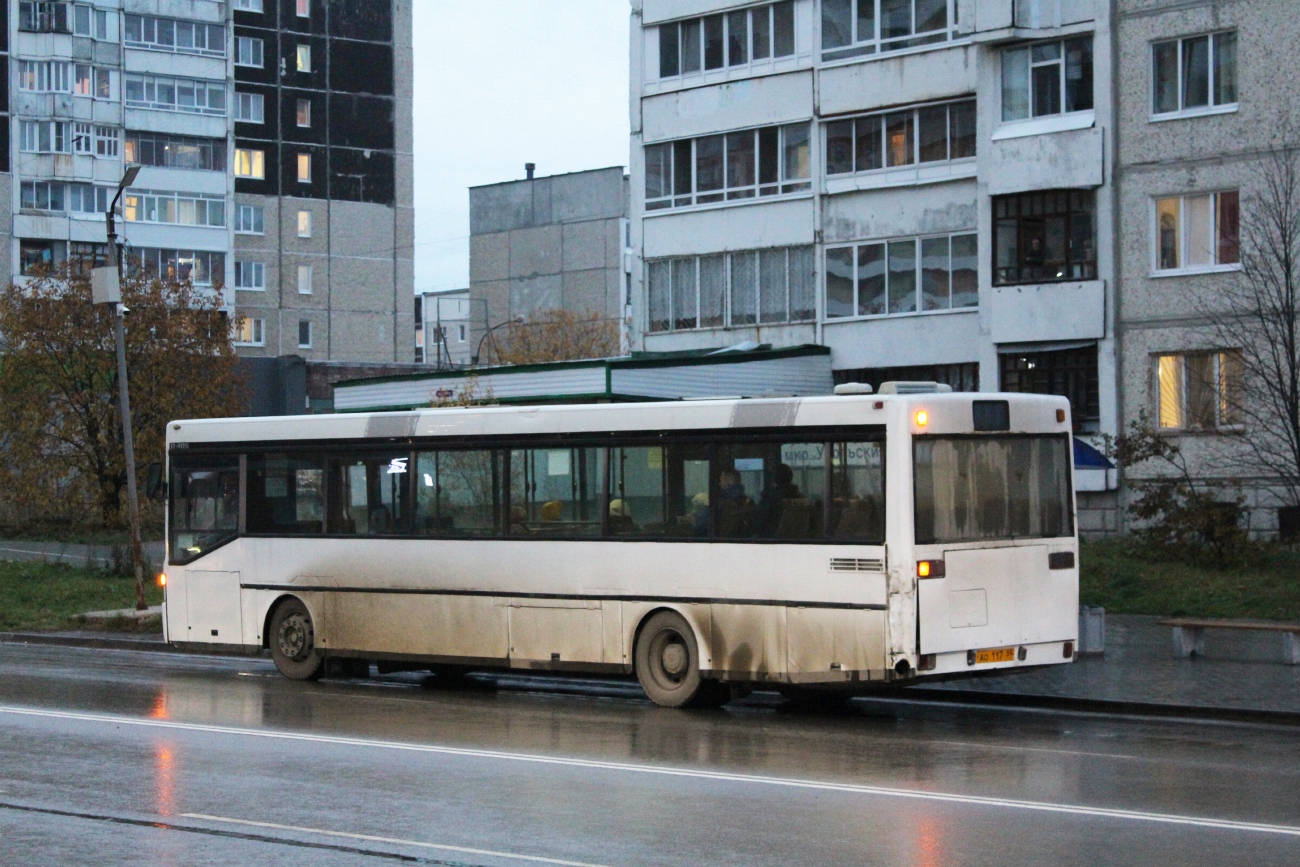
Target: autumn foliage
[59, 424]
[554, 335]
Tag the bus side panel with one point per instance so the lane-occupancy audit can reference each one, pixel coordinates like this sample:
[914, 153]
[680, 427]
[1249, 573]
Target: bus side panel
[749, 642]
[827, 645]
[414, 624]
[543, 632]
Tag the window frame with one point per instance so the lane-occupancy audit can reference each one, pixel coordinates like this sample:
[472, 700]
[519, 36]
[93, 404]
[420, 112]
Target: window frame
[918, 277]
[256, 333]
[255, 270]
[1087, 266]
[300, 165]
[1063, 93]
[727, 317]
[304, 223]
[256, 215]
[1211, 80]
[306, 278]
[881, 119]
[255, 159]
[256, 49]
[729, 64]
[876, 45]
[1222, 403]
[1216, 242]
[310, 334]
[254, 100]
[762, 186]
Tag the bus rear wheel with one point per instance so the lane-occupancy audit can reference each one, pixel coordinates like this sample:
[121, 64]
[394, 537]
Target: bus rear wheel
[293, 642]
[668, 663]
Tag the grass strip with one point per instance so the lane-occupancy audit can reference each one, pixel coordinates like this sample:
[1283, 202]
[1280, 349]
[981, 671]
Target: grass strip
[35, 595]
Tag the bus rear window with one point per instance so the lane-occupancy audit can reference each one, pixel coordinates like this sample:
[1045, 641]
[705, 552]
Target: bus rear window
[981, 488]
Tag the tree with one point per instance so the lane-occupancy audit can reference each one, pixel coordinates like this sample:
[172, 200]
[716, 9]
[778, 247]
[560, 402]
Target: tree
[555, 335]
[59, 419]
[1255, 317]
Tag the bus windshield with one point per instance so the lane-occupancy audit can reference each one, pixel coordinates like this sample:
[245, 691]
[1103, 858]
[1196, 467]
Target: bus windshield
[981, 488]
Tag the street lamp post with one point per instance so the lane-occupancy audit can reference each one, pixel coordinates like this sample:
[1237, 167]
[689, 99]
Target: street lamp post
[518, 320]
[123, 392]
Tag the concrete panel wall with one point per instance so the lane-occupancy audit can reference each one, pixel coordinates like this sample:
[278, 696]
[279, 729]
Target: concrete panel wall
[909, 79]
[932, 209]
[1071, 159]
[768, 224]
[735, 105]
[1057, 311]
[945, 338]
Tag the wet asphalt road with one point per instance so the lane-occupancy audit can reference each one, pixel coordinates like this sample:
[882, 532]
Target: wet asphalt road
[112, 757]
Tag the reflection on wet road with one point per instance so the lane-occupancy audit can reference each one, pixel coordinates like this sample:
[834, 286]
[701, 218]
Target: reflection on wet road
[125, 758]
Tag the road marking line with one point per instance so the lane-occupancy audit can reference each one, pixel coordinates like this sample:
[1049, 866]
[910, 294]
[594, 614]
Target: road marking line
[396, 841]
[720, 776]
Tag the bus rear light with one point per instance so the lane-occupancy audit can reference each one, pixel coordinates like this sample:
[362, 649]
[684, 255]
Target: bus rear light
[1067, 650]
[930, 569]
[927, 662]
[922, 418]
[162, 579]
[1060, 416]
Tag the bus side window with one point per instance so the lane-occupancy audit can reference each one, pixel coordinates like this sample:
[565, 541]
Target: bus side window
[555, 492]
[687, 471]
[368, 494]
[858, 491]
[285, 494]
[458, 493]
[636, 492]
[771, 490]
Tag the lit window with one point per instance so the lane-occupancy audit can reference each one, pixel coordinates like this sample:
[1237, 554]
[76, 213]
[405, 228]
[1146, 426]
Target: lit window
[1047, 78]
[1194, 75]
[304, 334]
[250, 332]
[1198, 390]
[1197, 231]
[304, 168]
[304, 112]
[304, 58]
[250, 163]
[304, 279]
[304, 224]
[304, 8]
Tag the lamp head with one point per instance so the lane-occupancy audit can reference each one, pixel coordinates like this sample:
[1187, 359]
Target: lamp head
[129, 177]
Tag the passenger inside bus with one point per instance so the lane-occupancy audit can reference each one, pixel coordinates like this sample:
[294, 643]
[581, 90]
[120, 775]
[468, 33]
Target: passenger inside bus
[620, 519]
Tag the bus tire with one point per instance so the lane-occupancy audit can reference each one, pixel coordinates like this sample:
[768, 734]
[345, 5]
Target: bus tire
[668, 663]
[293, 642]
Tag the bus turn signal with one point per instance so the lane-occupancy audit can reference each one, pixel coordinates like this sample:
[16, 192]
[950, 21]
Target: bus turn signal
[162, 579]
[922, 418]
[929, 569]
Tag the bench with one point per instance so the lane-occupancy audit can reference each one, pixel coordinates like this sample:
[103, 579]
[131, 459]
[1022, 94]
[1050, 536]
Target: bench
[1189, 634]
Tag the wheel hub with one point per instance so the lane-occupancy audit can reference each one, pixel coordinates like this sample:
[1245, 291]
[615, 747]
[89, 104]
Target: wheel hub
[674, 659]
[295, 637]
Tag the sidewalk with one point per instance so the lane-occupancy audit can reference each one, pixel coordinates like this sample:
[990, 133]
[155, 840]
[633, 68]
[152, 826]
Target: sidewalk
[1241, 671]
[73, 555]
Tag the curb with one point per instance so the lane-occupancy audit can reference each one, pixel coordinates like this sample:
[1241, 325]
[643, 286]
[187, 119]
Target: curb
[154, 645]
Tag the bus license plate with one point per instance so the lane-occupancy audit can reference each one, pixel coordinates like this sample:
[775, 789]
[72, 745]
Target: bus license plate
[997, 654]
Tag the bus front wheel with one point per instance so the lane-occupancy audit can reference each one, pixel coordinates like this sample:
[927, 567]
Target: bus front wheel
[668, 663]
[293, 642]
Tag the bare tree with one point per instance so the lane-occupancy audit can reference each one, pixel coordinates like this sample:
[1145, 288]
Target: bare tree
[556, 335]
[1256, 315]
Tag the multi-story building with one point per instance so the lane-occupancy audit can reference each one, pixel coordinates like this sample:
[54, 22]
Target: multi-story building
[1206, 90]
[275, 142]
[548, 243]
[924, 186]
[443, 326]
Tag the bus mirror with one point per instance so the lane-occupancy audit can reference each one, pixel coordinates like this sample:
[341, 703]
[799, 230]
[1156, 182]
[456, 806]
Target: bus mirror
[156, 487]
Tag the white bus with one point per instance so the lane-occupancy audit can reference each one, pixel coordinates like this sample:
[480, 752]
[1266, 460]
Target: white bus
[706, 546]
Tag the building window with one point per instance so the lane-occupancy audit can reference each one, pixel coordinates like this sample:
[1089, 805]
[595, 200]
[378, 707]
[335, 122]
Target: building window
[250, 276]
[737, 165]
[249, 219]
[90, 22]
[461, 337]
[1047, 78]
[853, 28]
[76, 198]
[176, 151]
[87, 255]
[1067, 372]
[106, 142]
[904, 276]
[250, 163]
[250, 332]
[167, 34]
[740, 289]
[932, 133]
[1198, 232]
[175, 94]
[41, 196]
[185, 209]
[1044, 237]
[304, 8]
[46, 136]
[1198, 390]
[304, 334]
[304, 112]
[36, 256]
[304, 224]
[249, 108]
[1194, 75]
[83, 137]
[963, 376]
[304, 279]
[201, 267]
[733, 39]
[304, 58]
[248, 5]
[248, 51]
[47, 76]
[43, 16]
[304, 168]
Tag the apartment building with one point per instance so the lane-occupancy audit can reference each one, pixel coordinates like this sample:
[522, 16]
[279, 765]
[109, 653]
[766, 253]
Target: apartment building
[1205, 91]
[443, 328]
[923, 186]
[274, 137]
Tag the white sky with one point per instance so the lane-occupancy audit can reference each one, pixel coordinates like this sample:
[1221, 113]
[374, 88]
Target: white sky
[499, 83]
